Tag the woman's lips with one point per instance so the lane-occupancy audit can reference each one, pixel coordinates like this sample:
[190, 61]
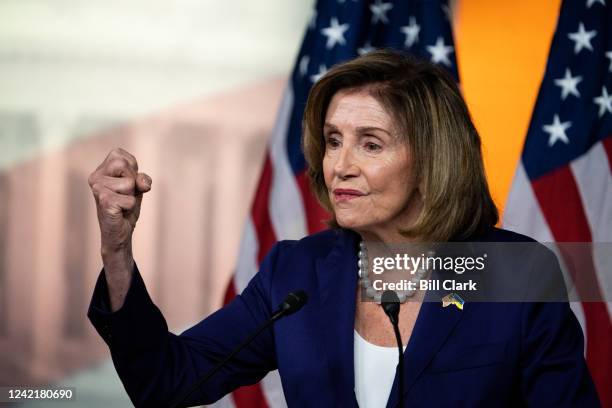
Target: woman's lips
[344, 194]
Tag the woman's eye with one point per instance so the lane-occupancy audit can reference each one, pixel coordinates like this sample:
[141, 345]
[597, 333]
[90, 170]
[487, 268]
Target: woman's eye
[332, 142]
[372, 147]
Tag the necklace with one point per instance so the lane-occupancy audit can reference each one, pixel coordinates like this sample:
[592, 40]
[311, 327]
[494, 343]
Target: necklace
[366, 284]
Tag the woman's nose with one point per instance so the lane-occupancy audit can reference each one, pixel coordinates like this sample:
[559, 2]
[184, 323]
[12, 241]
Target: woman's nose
[345, 165]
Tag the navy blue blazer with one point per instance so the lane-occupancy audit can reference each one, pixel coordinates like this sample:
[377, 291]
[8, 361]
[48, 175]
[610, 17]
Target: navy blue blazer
[488, 354]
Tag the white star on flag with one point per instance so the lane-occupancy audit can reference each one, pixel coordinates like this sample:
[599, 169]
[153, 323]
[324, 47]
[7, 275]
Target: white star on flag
[568, 84]
[379, 11]
[604, 101]
[411, 31]
[334, 33]
[303, 66]
[591, 2]
[439, 52]
[582, 38]
[322, 70]
[556, 130]
[609, 55]
[367, 47]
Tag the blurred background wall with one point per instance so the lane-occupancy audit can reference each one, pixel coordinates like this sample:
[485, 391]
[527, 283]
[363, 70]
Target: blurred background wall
[191, 88]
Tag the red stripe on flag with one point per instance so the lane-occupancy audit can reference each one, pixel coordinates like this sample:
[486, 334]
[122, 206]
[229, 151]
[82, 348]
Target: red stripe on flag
[607, 144]
[315, 214]
[260, 211]
[560, 202]
[250, 396]
[230, 292]
[599, 352]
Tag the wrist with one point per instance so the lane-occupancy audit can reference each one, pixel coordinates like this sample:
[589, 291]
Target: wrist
[117, 259]
[116, 250]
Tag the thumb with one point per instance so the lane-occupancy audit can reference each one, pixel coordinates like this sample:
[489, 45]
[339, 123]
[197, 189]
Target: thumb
[143, 183]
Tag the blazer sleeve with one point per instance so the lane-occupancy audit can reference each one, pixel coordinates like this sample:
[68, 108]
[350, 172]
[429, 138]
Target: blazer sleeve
[554, 371]
[155, 365]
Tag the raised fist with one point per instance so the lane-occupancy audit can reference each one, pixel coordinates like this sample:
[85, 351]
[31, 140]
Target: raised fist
[118, 188]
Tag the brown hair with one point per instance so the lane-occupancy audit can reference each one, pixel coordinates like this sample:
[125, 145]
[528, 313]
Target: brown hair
[433, 120]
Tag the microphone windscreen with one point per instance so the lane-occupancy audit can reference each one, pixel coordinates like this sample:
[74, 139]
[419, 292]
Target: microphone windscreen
[294, 302]
[391, 304]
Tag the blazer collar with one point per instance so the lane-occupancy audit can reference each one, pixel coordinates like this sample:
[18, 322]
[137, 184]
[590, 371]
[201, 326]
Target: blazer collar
[337, 281]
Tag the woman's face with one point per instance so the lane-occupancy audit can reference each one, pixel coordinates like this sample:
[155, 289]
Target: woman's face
[367, 167]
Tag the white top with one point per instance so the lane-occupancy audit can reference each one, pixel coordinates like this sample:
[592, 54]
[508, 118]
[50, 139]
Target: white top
[375, 368]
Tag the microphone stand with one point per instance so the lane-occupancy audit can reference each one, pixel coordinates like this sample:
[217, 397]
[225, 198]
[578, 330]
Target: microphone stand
[391, 305]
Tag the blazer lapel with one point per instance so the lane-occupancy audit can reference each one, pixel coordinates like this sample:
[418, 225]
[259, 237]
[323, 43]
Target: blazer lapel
[337, 280]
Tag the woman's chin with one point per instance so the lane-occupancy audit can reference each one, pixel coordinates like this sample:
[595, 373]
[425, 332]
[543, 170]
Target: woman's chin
[350, 223]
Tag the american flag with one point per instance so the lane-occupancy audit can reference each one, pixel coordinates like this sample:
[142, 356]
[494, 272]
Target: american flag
[283, 207]
[562, 189]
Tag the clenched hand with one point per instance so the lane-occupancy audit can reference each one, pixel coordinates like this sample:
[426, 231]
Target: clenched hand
[118, 188]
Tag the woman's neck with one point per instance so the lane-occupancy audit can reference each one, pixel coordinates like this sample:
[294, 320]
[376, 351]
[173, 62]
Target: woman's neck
[386, 237]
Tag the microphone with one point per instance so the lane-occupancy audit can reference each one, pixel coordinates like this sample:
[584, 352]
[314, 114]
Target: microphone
[391, 305]
[292, 303]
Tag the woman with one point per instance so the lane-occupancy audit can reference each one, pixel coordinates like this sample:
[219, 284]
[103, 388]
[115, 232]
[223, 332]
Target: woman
[394, 157]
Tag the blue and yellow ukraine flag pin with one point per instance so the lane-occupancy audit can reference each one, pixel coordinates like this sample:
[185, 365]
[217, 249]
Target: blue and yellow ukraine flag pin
[453, 299]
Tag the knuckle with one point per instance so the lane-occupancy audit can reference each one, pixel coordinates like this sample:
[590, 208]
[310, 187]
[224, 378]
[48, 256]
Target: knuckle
[129, 157]
[112, 155]
[118, 163]
[133, 163]
[95, 188]
[102, 199]
[128, 154]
